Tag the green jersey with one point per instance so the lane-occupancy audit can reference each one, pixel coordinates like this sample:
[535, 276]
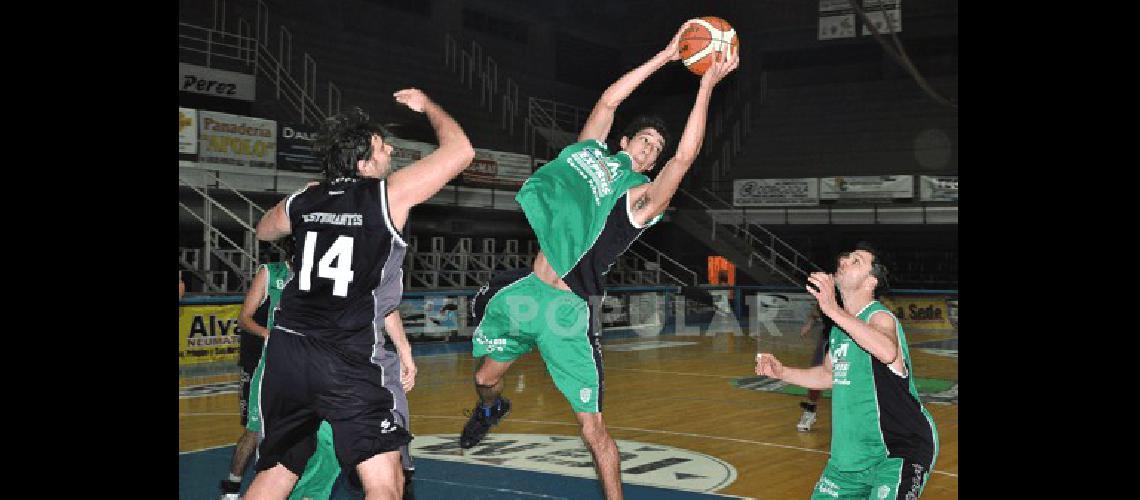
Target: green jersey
[568, 200]
[279, 275]
[875, 412]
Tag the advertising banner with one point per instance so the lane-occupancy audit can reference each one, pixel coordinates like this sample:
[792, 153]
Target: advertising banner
[215, 82]
[187, 130]
[943, 188]
[430, 316]
[836, 19]
[496, 169]
[875, 10]
[208, 333]
[775, 192]
[923, 312]
[295, 148]
[236, 140]
[866, 187]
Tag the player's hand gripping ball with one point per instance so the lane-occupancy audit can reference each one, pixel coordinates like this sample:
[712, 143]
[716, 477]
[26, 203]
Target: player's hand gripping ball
[703, 38]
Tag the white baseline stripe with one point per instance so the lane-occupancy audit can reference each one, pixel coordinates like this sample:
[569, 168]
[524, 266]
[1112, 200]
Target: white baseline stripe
[655, 431]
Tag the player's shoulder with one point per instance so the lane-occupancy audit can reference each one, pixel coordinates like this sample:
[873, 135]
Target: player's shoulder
[590, 143]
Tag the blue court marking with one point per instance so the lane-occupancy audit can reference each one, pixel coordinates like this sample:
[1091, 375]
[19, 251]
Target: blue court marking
[199, 473]
[438, 348]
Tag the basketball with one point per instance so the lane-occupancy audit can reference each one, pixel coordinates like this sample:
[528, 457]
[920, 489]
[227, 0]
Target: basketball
[703, 38]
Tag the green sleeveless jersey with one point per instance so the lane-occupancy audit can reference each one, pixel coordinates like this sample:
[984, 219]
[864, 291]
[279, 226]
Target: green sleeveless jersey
[279, 275]
[875, 412]
[568, 200]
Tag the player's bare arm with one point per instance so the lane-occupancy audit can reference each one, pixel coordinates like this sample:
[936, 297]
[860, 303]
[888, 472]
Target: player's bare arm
[274, 224]
[258, 292]
[394, 325]
[816, 377]
[651, 199]
[601, 118]
[878, 336]
[421, 180]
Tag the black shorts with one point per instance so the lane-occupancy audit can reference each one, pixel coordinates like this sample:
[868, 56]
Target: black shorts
[820, 349]
[243, 401]
[308, 380]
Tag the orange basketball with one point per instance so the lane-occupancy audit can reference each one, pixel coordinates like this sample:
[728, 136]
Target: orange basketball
[703, 38]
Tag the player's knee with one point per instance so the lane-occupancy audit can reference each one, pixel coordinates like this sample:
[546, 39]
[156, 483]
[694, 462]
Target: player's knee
[594, 432]
[486, 379]
[377, 489]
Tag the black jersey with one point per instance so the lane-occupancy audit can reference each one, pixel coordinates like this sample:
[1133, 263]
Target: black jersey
[250, 352]
[587, 277]
[348, 261]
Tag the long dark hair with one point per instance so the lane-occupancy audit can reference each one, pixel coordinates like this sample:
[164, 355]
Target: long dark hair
[344, 140]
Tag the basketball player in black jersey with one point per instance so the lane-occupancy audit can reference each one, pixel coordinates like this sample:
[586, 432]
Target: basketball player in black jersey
[323, 360]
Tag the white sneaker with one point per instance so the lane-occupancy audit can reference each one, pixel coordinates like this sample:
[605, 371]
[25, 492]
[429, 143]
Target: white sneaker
[231, 496]
[806, 421]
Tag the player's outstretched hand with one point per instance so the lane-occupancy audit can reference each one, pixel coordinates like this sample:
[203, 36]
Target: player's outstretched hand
[767, 365]
[720, 68]
[824, 291]
[674, 47]
[413, 98]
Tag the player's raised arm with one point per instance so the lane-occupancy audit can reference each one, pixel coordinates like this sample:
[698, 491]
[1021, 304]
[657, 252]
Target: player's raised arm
[421, 180]
[601, 118]
[654, 199]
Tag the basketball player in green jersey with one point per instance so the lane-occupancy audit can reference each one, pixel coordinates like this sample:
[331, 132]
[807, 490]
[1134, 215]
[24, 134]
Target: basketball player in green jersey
[586, 207]
[883, 442]
[256, 318]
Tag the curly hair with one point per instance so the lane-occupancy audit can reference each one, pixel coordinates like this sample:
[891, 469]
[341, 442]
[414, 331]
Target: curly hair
[345, 139]
[647, 121]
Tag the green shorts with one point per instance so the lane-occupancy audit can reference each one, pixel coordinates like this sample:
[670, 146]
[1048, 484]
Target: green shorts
[253, 408]
[894, 477]
[517, 311]
[321, 470]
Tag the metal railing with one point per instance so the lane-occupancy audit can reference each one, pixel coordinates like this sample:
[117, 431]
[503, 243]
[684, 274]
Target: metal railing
[776, 248]
[249, 250]
[657, 259]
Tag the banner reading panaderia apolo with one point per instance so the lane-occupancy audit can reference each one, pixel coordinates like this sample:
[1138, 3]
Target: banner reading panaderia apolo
[236, 140]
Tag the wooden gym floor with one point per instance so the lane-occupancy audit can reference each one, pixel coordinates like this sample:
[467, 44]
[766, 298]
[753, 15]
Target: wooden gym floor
[680, 396]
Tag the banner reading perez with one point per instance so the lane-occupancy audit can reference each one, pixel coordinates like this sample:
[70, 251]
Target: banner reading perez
[215, 82]
[236, 140]
[775, 192]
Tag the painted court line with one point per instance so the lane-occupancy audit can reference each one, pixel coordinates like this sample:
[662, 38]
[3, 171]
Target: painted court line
[502, 490]
[656, 431]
